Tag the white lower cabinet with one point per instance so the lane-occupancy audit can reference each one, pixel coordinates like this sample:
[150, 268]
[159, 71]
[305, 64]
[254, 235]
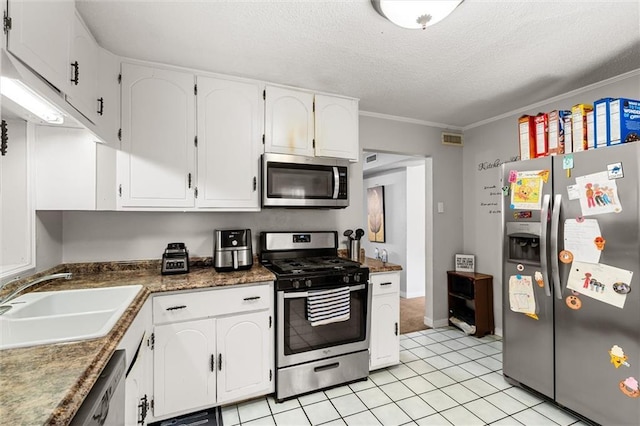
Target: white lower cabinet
[211, 347]
[135, 342]
[384, 344]
[183, 366]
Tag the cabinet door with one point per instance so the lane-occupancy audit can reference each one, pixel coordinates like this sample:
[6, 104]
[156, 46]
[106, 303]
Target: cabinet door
[158, 132]
[336, 127]
[39, 36]
[288, 121]
[385, 335]
[230, 127]
[108, 102]
[183, 367]
[83, 58]
[17, 215]
[245, 346]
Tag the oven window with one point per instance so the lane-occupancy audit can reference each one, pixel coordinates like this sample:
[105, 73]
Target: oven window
[300, 336]
[293, 182]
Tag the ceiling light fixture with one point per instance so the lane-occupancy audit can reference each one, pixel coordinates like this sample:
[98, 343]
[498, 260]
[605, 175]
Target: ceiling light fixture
[415, 14]
[30, 100]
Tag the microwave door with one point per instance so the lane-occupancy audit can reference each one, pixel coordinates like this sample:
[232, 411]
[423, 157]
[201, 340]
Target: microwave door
[336, 183]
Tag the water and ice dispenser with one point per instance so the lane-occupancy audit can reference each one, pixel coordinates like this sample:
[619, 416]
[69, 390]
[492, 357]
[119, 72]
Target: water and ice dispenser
[523, 242]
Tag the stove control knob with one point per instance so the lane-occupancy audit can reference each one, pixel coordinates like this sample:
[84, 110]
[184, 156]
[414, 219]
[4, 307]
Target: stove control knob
[356, 277]
[295, 284]
[307, 283]
[345, 279]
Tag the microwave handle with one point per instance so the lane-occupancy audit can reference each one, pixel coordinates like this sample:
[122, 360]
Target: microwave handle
[336, 183]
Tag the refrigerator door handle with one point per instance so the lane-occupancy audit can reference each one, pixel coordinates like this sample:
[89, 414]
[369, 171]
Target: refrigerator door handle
[555, 225]
[544, 219]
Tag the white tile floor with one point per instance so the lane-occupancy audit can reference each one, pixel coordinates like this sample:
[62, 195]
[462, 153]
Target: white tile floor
[444, 378]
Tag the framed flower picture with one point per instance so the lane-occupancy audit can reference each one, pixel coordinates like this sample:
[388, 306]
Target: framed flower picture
[375, 214]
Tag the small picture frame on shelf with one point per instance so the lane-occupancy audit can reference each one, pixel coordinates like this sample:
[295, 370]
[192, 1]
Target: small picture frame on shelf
[465, 263]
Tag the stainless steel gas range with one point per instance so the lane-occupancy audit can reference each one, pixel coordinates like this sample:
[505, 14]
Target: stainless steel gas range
[323, 305]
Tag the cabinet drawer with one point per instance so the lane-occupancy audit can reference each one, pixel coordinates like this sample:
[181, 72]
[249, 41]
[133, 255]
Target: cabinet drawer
[384, 283]
[191, 305]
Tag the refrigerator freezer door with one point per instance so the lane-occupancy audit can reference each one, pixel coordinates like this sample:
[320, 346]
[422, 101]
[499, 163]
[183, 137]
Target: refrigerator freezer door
[587, 380]
[527, 342]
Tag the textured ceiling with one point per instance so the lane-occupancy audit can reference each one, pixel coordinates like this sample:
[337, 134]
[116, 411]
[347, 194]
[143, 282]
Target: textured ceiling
[486, 59]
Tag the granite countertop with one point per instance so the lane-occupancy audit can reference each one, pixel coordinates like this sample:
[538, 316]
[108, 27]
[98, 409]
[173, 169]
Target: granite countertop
[46, 384]
[376, 265]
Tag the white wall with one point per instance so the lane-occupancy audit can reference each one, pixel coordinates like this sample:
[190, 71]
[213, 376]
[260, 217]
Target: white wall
[445, 172]
[395, 219]
[489, 145]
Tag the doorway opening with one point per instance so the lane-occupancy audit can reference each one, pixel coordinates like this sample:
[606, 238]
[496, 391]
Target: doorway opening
[405, 180]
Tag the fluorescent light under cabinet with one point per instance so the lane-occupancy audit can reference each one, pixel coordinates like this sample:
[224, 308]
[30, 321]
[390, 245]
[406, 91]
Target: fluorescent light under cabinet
[30, 100]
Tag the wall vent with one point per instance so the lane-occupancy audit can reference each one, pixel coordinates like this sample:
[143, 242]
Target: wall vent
[371, 158]
[451, 138]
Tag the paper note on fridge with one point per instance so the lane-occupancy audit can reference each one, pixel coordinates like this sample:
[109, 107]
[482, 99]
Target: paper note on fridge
[521, 296]
[526, 190]
[597, 280]
[579, 237]
[598, 194]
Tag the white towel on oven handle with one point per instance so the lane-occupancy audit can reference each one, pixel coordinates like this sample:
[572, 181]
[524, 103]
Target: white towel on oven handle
[328, 306]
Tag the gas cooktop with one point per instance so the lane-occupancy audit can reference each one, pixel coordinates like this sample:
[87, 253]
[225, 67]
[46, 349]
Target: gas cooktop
[301, 265]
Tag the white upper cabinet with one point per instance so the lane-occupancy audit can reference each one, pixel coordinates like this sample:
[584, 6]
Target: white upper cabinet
[288, 121]
[157, 159]
[230, 128]
[301, 123]
[39, 36]
[82, 91]
[108, 102]
[336, 127]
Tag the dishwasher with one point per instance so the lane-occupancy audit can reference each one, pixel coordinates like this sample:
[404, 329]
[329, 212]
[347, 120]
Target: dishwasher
[104, 405]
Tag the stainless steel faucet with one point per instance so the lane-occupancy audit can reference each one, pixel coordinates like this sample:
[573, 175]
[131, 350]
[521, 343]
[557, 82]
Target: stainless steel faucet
[16, 292]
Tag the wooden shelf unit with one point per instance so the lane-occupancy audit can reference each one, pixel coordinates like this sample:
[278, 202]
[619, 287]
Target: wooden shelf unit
[470, 298]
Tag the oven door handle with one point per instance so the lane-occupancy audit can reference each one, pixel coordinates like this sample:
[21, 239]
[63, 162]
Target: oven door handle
[304, 294]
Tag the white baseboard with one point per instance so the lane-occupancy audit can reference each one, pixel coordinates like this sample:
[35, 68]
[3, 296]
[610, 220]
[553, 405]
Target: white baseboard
[498, 332]
[429, 322]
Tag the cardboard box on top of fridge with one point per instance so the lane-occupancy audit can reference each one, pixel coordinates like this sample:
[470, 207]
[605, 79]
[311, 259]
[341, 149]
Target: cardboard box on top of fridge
[579, 126]
[591, 130]
[527, 137]
[624, 121]
[542, 129]
[568, 133]
[601, 129]
[556, 131]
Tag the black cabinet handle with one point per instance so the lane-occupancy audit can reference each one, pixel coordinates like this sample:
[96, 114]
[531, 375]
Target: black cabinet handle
[212, 363]
[75, 73]
[396, 329]
[381, 284]
[100, 106]
[219, 362]
[175, 308]
[248, 299]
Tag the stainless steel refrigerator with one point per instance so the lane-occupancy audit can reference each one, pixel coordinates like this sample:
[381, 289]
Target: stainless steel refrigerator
[571, 280]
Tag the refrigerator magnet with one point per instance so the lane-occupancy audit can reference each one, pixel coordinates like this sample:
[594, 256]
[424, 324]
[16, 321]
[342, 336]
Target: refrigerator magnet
[599, 242]
[629, 387]
[573, 302]
[618, 358]
[513, 176]
[615, 171]
[505, 190]
[565, 256]
[621, 288]
[520, 268]
[538, 277]
[544, 174]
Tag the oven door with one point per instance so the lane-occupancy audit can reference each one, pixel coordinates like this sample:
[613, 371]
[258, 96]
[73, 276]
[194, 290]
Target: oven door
[298, 341]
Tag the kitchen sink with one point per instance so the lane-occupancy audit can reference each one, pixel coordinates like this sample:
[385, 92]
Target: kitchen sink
[40, 318]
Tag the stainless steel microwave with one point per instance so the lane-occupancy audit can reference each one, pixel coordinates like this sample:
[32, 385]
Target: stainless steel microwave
[304, 182]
